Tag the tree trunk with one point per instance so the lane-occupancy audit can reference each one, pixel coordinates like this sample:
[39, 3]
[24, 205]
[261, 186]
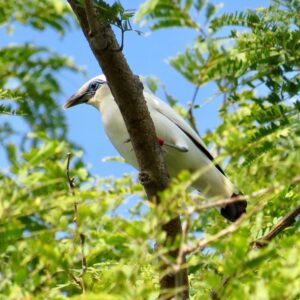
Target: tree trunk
[128, 93]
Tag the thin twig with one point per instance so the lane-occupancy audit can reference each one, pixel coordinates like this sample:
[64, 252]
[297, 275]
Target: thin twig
[82, 241]
[224, 232]
[71, 181]
[78, 281]
[185, 229]
[285, 222]
[191, 116]
[237, 198]
[210, 239]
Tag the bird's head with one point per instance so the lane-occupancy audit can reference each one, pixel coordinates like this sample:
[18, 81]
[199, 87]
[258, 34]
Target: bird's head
[89, 93]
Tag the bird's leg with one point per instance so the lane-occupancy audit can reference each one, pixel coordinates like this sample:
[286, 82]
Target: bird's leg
[161, 142]
[177, 147]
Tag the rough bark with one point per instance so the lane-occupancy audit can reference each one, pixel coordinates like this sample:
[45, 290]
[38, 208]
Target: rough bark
[128, 93]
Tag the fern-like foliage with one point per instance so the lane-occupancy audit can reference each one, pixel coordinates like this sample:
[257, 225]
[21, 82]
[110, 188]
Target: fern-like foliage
[258, 70]
[32, 71]
[281, 12]
[115, 14]
[165, 13]
[11, 95]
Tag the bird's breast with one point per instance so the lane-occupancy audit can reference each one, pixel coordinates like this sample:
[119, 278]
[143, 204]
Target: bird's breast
[116, 131]
[211, 182]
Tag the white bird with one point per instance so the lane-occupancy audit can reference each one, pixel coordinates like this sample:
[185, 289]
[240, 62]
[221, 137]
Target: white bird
[183, 148]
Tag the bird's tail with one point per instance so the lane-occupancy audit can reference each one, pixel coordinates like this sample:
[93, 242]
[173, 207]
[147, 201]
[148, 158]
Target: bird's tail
[233, 211]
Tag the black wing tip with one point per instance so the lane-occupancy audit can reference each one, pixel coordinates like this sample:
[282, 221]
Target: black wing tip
[233, 211]
[203, 150]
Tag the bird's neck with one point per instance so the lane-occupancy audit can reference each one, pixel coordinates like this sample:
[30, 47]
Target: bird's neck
[103, 92]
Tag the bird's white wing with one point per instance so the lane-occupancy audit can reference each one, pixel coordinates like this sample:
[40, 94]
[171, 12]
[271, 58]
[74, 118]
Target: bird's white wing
[161, 107]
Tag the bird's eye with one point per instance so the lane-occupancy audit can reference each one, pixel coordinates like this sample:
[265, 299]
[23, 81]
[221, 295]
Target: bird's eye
[94, 86]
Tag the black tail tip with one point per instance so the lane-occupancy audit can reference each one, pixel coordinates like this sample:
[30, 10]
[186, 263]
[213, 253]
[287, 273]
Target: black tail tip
[234, 210]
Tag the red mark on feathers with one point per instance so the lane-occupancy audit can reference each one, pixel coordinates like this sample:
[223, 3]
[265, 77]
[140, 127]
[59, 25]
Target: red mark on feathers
[160, 141]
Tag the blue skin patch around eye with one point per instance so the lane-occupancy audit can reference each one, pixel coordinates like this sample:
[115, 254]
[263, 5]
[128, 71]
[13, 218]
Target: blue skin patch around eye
[95, 85]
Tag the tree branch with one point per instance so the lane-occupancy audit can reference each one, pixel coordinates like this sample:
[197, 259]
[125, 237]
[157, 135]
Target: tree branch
[128, 93]
[237, 198]
[285, 222]
[222, 233]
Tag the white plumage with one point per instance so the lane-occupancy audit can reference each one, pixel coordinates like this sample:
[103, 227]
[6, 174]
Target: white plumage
[183, 148]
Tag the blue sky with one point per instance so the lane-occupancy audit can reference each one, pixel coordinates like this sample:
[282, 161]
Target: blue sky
[147, 55]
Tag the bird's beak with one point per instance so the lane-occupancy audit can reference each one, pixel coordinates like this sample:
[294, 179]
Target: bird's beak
[76, 99]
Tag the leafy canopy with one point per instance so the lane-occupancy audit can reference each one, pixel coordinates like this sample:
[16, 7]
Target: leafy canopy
[55, 245]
